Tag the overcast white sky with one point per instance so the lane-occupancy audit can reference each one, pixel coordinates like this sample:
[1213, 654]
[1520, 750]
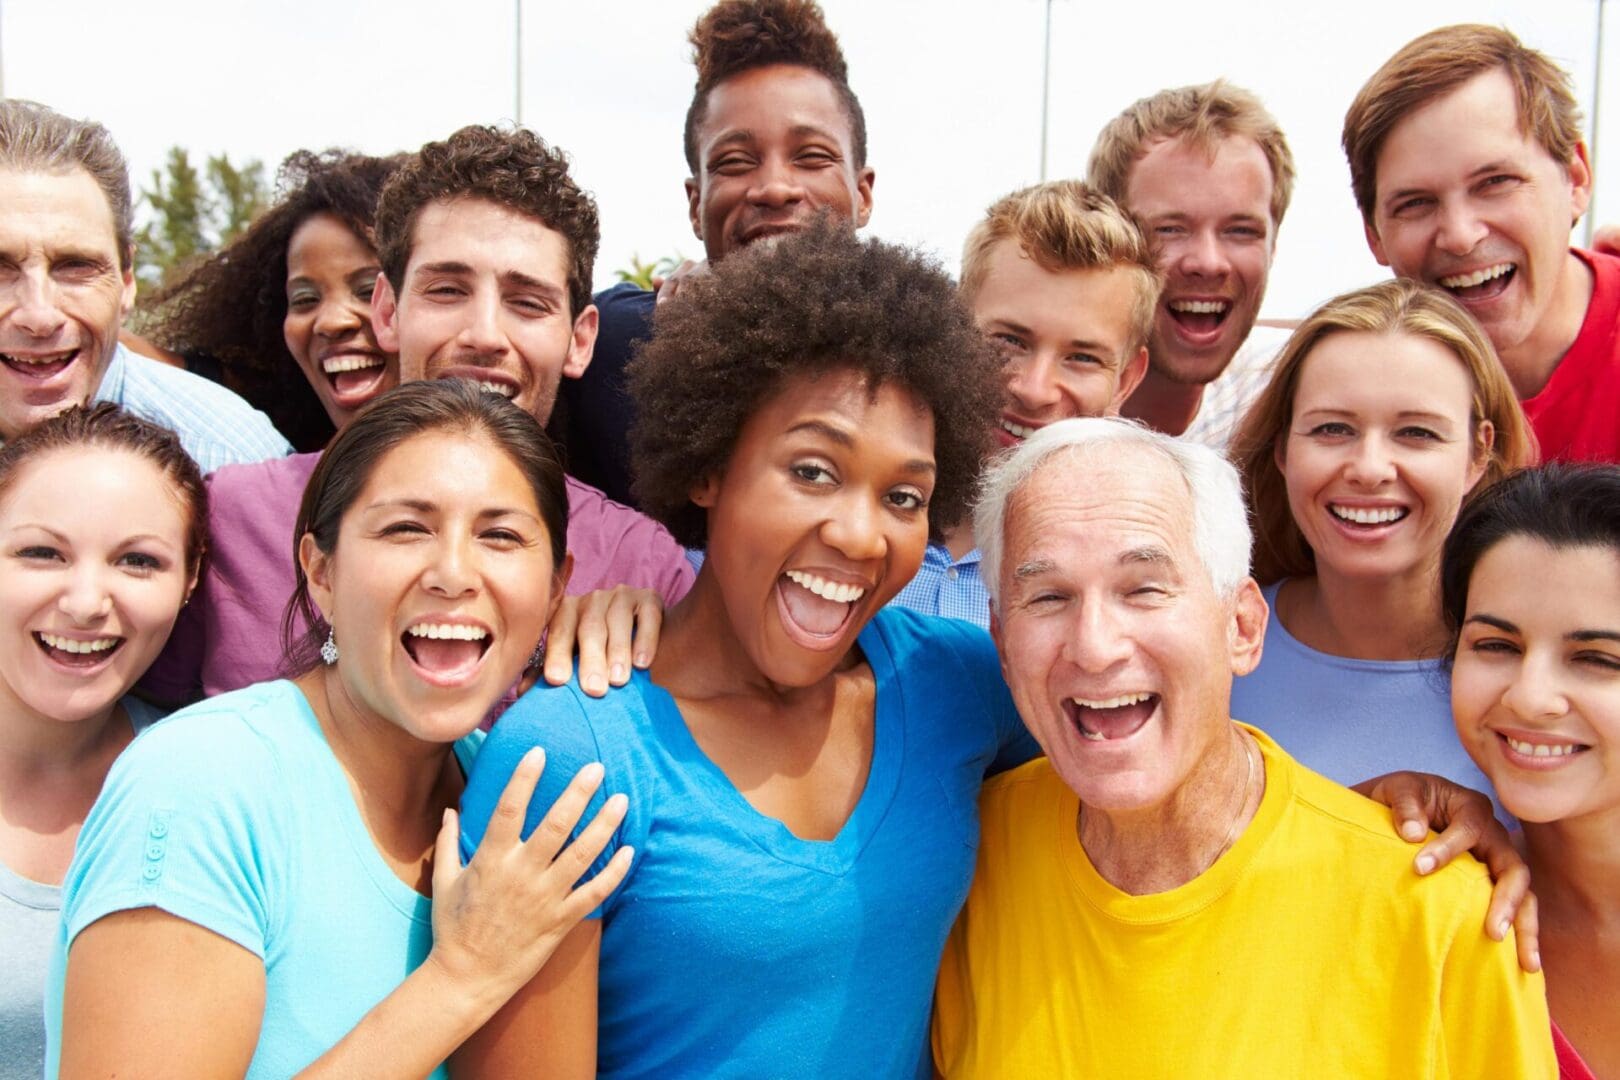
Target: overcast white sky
[951, 88]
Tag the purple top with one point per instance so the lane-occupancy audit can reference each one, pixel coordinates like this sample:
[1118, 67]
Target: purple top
[229, 635]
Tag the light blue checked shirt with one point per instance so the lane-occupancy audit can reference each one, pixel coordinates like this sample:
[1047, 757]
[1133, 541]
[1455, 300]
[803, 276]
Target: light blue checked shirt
[215, 426]
[952, 588]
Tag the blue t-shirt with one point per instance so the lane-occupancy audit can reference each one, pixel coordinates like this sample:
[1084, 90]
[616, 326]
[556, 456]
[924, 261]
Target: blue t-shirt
[1352, 720]
[734, 948]
[234, 814]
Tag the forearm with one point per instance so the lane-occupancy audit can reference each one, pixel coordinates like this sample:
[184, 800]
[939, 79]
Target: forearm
[412, 1030]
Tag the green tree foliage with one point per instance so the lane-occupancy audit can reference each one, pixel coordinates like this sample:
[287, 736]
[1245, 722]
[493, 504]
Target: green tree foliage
[641, 274]
[191, 213]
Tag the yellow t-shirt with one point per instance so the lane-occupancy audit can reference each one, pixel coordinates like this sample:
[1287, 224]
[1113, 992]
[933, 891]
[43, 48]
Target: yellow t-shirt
[1310, 949]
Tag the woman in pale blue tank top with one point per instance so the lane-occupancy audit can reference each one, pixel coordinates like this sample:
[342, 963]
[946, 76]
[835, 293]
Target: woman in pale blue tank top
[102, 519]
[1386, 411]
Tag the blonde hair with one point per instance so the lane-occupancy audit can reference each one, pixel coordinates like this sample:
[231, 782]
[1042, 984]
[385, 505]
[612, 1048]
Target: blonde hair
[1436, 64]
[1065, 225]
[1398, 306]
[1203, 115]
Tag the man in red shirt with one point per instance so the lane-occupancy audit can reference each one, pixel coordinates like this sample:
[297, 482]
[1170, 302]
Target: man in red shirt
[1467, 161]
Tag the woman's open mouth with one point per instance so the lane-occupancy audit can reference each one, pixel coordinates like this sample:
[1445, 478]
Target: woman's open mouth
[815, 611]
[79, 653]
[355, 377]
[446, 654]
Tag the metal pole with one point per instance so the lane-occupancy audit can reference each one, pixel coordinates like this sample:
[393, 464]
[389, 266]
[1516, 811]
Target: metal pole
[1597, 103]
[1045, 89]
[517, 50]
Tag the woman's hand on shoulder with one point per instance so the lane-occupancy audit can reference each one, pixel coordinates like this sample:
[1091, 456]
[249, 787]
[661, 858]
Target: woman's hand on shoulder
[1463, 817]
[497, 920]
[609, 630]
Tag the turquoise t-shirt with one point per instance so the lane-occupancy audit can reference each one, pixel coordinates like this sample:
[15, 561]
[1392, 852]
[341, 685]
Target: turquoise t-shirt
[234, 814]
[735, 949]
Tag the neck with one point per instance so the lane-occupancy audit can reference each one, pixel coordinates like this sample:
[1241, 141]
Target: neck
[1163, 847]
[32, 744]
[1575, 864]
[1390, 619]
[388, 767]
[1531, 363]
[1162, 404]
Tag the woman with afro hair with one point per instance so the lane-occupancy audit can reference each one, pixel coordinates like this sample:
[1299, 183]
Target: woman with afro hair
[802, 763]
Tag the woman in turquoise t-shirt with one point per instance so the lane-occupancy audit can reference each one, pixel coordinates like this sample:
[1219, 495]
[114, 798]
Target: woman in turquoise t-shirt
[102, 520]
[251, 891]
[1385, 411]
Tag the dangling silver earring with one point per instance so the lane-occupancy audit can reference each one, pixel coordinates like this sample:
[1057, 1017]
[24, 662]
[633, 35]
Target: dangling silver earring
[329, 648]
[538, 657]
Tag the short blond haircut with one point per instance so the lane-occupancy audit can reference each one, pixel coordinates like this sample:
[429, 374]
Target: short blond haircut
[1397, 306]
[1065, 225]
[1436, 64]
[1203, 115]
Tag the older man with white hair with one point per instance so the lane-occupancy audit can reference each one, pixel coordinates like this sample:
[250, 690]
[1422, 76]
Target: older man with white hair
[1167, 893]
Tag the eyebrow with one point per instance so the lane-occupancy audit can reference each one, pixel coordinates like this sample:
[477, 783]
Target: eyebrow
[1404, 414]
[1147, 553]
[423, 506]
[1033, 568]
[1575, 635]
[844, 439]
[41, 528]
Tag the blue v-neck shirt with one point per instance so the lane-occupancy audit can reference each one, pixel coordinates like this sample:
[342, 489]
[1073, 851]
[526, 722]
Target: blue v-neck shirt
[734, 948]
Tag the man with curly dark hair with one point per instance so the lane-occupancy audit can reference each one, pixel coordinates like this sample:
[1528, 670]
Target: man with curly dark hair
[803, 758]
[486, 245]
[774, 135]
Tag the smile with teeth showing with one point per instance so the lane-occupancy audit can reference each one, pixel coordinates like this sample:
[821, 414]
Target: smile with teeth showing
[1368, 515]
[74, 645]
[828, 590]
[1477, 277]
[1544, 749]
[1017, 430]
[39, 360]
[1116, 717]
[335, 365]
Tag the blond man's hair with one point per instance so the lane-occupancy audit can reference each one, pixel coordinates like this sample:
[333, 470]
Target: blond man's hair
[1203, 115]
[1437, 63]
[1397, 306]
[1065, 225]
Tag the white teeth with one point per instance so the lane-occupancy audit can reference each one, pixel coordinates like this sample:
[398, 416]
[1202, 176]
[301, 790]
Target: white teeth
[50, 359]
[1478, 277]
[1113, 702]
[1382, 515]
[827, 590]
[1200, 307]
[332, 365]
[1542, 749]
[73, 646]
[451, 631]
[506, 390]
[1019, 430]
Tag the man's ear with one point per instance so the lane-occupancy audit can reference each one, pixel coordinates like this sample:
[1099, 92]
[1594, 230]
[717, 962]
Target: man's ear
[1580, 180]
[385, 314]
[863, 196]
[1374, 243]
[582, 345]
[1129, 379]
[126, 297]
[694, 205]
[317, 566]
[1246, 633]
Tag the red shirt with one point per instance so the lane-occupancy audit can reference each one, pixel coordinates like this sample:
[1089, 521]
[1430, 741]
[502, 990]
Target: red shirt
[1577, 414]
[1570, 1065]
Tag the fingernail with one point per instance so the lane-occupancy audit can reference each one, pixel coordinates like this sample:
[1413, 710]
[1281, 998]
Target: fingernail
[1411, 830]
[595, 685]
[618, 803]
[445, 820]
[617, 674]
[1502, 929]
[1425, 863]
[531, 755]
[593, 772]
[1535, 959]
[642, 660]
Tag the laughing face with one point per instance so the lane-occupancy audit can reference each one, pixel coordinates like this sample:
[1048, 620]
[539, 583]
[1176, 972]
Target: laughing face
[438, 587]
[1467, 201]
[1118, 650]
[1380, 453]
[1065, 338]
[63, 295]
[92, 584]
[1535, 686]
[331, 273]
[818, 520]
[485, 298]
[1210, 223]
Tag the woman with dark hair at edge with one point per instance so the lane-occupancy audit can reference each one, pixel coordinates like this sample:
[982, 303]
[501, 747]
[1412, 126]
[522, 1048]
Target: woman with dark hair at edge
[277, 864]
[293, 292]
[1531, 587]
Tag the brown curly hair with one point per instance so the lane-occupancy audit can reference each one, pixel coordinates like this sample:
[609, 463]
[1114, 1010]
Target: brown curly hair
[738, 35]
[232, 306]
[818, 301]
[511, 168]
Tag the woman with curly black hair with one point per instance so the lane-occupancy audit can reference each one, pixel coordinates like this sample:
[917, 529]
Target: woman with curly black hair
[294, 290]
[802, 763]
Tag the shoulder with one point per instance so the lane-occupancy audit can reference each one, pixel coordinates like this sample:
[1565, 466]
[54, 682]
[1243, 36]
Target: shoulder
[615, 544]
[625, 298]
[251, 484]
[1007, 794]
[179, 396]
[229, 742]
[914, 637]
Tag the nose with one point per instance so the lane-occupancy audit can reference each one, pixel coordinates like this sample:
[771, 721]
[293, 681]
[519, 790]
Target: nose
[1534, 695]
[1372, 463]
[1460, 229]
[481, 332]
[852, 527]
[86, 600]
[336, 319]
[1032, 383]
[34, 304]
[1202, 255]
[1096, 642]
[452, 572]
[776, 184]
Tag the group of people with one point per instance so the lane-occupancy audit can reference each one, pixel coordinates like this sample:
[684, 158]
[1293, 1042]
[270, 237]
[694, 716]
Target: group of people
[967, 671]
